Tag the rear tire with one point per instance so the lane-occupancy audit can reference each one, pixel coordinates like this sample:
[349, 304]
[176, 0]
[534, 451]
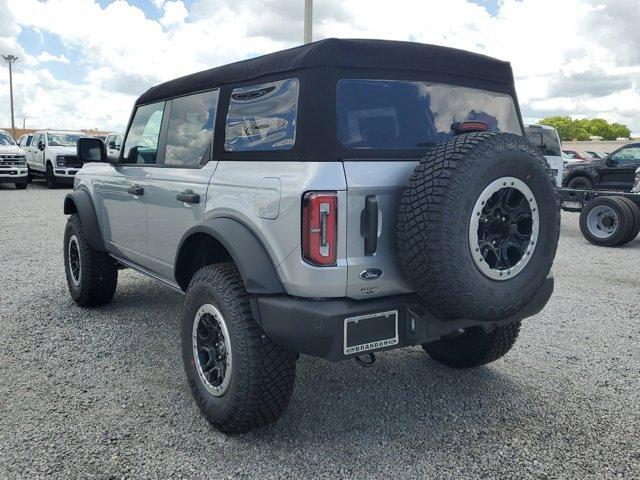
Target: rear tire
[474, 347]
[240, 379]
[635, 216]
[580, 183]
[92, 276]
[606, 221]
[52, 183]
[21, 186]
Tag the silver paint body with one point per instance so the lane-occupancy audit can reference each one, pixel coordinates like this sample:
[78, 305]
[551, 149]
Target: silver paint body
[266, 197]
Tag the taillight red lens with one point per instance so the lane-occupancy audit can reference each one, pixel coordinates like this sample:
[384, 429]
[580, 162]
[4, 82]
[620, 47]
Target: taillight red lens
[320, 228]
[469, 126]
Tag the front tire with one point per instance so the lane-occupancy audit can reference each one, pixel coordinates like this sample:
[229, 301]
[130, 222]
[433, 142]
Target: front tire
[239, 378]
[92, 276]
[474, 347]
[21, 186]
[52, 182]
[580, 183]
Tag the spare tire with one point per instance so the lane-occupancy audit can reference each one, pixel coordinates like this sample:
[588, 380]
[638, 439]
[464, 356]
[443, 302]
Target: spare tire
[478, 226]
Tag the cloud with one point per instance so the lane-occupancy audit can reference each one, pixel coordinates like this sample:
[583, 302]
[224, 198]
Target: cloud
[48, 57]
[615, 23]
[589, 84]
[582, 59]
[174, 13]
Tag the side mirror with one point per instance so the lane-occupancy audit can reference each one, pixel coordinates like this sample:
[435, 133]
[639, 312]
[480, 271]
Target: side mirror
[91, 150]
[112, 145]
[40, 145]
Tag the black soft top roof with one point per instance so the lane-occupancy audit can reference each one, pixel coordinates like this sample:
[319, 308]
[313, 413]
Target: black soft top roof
[341, 53]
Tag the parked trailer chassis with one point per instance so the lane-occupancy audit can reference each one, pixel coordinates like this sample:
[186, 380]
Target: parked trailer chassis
[573, 200]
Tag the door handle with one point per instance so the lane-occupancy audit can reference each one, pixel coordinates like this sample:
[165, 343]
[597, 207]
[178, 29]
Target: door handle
[136, 190]
[188, 197]
[369, 225]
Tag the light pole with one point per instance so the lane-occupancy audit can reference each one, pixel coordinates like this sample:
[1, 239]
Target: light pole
[10, 59]
[308, 21]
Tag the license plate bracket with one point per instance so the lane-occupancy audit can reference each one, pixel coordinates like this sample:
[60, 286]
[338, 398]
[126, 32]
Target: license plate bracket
[370, 332]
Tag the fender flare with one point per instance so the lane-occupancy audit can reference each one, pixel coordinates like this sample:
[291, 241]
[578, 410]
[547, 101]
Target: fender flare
[254, 263]
[80, 202]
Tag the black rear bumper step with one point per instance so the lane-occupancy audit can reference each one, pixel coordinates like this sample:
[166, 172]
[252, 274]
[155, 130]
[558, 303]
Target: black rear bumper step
[316, 327]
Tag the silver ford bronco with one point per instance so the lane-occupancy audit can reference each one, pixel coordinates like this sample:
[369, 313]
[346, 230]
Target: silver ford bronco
[335, 199]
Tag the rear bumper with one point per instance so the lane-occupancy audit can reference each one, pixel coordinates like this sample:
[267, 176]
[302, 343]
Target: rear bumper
[316, 327]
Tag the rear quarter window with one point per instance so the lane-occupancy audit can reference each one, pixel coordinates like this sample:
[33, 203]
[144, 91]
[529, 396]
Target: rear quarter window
[389, 114]
[262, 117]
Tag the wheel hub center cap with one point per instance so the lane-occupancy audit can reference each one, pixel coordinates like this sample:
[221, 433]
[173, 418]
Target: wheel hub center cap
[503, 229]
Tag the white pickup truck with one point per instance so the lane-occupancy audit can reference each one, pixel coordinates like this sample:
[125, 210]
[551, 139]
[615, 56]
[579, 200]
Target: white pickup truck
[13, 168]
[546, 139]
[53, 155]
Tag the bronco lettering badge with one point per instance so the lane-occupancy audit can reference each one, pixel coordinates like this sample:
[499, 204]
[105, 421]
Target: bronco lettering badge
[371, 274]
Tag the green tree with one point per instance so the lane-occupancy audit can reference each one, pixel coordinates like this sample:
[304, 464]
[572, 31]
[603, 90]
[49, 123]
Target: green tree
[564, 126]
[582, 129]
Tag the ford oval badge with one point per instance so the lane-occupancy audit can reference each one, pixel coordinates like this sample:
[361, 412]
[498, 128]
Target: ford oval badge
[371, 274]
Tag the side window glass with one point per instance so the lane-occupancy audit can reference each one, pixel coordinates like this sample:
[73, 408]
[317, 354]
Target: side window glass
[141, 146]
[626, 156]
[190, 132]
[262, 117]
[36, 140]
[118, 141]
[109, 141]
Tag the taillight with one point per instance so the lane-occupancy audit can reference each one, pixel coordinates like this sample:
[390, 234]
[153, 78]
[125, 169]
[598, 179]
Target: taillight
[320, 228]
[469, 126]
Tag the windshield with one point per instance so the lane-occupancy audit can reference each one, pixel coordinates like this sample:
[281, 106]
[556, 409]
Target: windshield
[63, 139]
[5, 139]
[547, 141]
[389, 114]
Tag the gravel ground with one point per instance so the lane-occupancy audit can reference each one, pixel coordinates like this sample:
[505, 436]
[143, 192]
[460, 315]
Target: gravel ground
[101, 393]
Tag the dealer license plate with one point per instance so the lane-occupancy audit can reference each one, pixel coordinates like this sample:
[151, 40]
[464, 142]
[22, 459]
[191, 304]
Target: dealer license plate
[370, 332]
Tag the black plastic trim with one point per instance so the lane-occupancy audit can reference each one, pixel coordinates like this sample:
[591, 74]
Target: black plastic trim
[316, 327]
[80, 202]
[248, 253]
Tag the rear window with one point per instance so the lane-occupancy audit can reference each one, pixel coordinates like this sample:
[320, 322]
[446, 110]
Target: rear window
[547, 141]
[386, 114]
[262, 117]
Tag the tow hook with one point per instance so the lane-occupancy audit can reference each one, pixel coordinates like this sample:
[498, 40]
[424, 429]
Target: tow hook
[366, 360]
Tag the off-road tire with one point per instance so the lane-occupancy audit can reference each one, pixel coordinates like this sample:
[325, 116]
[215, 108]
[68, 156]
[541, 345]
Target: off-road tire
[98, 271]
[262, 373]
[21, 186]
[474, 347]
[52, 182]
[635, 217]
[434, 225]
[580, 183]
[625, 221]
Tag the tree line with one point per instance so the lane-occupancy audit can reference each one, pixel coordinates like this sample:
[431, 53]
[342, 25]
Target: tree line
[582, 129]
